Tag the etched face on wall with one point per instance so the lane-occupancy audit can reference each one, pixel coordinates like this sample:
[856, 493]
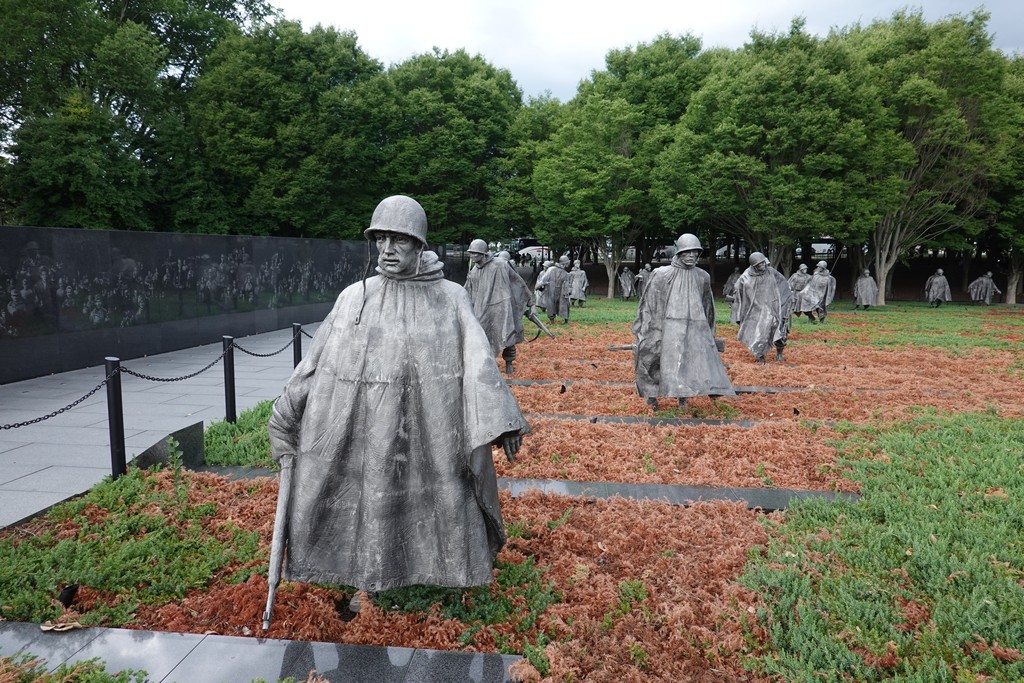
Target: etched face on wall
[398, 253]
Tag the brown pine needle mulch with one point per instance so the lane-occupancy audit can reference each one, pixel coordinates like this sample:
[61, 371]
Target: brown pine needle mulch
[688, 627]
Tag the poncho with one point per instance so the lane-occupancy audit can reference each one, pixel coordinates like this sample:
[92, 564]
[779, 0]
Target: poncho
[865, 291]
[626, 282]
[578, 284]
[675, 353]
[390, 418]
[499, 297]
[937, 289]
[797, 281]
[555, 297]
[983, 289]
[817, 293]
[763, 305]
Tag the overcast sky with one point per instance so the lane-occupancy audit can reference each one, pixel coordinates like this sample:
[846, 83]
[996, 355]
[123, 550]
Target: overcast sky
[550, 45]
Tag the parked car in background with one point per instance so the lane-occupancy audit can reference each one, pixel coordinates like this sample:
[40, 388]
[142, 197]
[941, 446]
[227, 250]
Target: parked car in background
[818, 249]
[729, 251]
[539, 253]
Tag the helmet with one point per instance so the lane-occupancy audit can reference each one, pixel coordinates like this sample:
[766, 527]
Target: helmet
[477, 247]
[400, 214]
[563, 260]
[505, 255]
[757, 257]
[823, 264]
[803, 266]
[688, 242]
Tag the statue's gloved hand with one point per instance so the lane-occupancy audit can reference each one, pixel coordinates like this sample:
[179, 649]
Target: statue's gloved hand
[511, 444]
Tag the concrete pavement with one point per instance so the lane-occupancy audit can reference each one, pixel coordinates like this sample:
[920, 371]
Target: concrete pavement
[50, 461]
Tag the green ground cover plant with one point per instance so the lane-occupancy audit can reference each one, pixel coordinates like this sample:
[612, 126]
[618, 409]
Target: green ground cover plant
[244, 442]
[922, 579]
[124, 542]
[955, 327]
[28, 669]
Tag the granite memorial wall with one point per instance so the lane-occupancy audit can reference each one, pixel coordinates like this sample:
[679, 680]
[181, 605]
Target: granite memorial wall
[71, 297]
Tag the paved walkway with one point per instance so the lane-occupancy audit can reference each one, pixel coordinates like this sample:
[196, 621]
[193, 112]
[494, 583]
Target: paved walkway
[50, 461]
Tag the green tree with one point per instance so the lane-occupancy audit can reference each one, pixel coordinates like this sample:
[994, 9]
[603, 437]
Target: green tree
[658, 80]
[783, 143]
[935, 81]
[1004, 212]
[271, 116]
[77, 169]
[135, 61]
[444, 135]
[512, 205]
[589, 184]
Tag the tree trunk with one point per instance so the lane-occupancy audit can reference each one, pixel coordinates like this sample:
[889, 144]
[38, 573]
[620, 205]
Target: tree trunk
[1016, 275]
[883, 275]
[610, 267]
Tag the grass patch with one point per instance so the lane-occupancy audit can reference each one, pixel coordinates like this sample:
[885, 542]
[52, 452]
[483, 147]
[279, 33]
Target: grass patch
[244, 442]
[922, 579]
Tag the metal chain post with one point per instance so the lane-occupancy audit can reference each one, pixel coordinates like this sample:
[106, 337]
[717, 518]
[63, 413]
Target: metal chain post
[296, 344]
[229, 379]
[115, 417]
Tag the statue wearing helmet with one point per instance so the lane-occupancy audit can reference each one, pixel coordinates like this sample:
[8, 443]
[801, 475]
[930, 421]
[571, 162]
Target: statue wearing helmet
[554, 290]
[936, 289]
[865, 291]
[477, 246]
[763, 304]
[817, 294]
[688, 242]
[797, 281]
[676, 354]
[578, 285]
[499, 297]
[397, 403]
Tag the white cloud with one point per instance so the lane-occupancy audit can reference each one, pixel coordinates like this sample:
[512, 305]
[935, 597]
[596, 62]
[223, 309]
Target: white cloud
[553, 44]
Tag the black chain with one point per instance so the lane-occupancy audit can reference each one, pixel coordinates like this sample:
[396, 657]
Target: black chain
[151, 378]
[266, 355]
[177, 379]
[65, 408]
[305, 333]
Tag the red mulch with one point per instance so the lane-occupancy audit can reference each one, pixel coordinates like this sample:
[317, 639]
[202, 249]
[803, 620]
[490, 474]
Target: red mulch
[689, 627]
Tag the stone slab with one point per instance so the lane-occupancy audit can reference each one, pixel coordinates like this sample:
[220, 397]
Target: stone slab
[19, 506]
[59, 480]
[157, 653]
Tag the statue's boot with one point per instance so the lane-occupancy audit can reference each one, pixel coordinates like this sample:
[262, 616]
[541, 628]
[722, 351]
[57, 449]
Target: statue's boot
[653, 403]
[508, 368]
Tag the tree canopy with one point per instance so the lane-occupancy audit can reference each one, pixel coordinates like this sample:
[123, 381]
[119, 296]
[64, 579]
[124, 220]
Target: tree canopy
[220, 116]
